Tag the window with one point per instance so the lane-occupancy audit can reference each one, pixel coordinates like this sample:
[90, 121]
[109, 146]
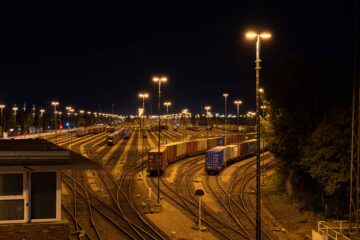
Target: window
[43, 195]
[12, 197]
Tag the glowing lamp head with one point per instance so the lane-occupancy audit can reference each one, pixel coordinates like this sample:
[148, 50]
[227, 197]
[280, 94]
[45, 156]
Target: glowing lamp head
[265, 35]
[159, 79]
[251, 35]
[225, 95]
[238, 102]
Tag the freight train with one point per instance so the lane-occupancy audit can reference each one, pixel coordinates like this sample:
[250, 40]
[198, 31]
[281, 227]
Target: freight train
[172, 152]
[219, 157]
[90, 130]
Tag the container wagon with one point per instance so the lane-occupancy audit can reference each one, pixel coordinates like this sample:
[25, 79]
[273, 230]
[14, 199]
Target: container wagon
[175, 151]
[196, 147]
[216, 159]
[157, 160]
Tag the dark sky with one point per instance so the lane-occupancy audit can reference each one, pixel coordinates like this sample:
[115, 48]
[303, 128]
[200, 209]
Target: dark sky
[88, 54]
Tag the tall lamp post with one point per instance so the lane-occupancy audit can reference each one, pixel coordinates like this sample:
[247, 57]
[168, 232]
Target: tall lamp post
[225, 96]
[143, 96]
[2, 106]
[159, 80]
[42, 111]
[55, 104]
[15, 108]
[142, 125]
[237, 103]
[258, 37]
[207, 108]
[167, 105]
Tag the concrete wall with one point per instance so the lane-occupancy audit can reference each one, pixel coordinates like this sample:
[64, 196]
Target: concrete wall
[35, 231]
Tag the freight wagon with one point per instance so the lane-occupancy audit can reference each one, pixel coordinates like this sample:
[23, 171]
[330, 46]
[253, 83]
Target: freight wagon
[157, 160]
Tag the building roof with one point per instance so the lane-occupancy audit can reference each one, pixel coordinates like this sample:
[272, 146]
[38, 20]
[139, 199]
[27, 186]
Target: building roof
[39, 154]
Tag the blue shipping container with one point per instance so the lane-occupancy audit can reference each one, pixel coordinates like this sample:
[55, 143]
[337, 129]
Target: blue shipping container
[214, 160]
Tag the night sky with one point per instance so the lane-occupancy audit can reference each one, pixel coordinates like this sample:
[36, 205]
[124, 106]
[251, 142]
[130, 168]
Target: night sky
[88, 54]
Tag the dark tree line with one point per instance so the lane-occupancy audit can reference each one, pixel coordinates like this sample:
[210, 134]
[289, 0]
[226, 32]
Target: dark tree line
[310, 107]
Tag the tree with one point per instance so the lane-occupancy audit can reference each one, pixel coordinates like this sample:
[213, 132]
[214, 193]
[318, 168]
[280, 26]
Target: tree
[327, 155]
[305, 130]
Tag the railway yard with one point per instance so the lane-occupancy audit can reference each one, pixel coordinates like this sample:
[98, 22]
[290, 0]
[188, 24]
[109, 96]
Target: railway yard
[121, 200]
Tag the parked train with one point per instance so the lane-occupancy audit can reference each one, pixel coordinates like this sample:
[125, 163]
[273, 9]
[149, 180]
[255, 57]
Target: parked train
[114, 137]
[111, 129]
[219, 157]
[90, 130]
[175, 151]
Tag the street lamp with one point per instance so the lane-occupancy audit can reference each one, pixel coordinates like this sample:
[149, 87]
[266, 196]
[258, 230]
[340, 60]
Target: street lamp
[15, 108]
[258, 37]
[60, 113]
[167, 105]
[55, 104]
[207, 108]
[237, 103]
[2, 106]
[82, 118]
[159, 80]
[142, 123]
[225, 96]
[42, 111]
[143, 96]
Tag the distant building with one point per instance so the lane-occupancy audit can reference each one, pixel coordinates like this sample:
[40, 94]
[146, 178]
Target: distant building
[30, 188]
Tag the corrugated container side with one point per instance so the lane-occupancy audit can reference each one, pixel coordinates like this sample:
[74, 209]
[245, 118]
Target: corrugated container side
[191, 147]
[171, 153]
[227, 140]
[181, 150]
[234, 151]
[211, 142]
[227, 154]
[201, 145]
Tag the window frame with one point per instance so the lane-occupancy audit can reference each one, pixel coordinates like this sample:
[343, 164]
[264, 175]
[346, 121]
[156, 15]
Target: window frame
[24, 196]
[58, 198]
